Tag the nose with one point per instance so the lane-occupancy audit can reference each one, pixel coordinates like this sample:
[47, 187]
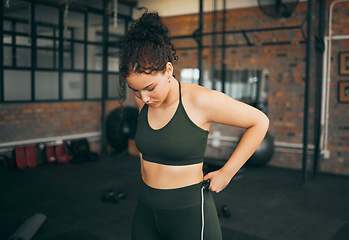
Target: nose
[144, 97]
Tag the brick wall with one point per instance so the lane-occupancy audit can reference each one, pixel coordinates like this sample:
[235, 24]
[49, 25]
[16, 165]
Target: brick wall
[25, 121]
[286, 64]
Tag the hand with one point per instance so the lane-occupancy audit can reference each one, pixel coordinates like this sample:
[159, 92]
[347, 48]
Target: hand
[218, 180]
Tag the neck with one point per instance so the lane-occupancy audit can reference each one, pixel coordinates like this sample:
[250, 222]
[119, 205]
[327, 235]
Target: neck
[173, 93]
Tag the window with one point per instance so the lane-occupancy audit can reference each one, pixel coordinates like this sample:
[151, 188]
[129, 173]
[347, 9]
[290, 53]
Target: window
[17, 85]
[94, 85]
[57, 55]
[47, 47]
[73, 85]
[46, 85]
[249, 86]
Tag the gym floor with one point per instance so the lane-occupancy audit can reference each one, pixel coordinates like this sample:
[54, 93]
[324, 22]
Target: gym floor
[265, 203]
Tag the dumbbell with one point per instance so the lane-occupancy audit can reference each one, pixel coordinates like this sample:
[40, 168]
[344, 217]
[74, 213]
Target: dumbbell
[113, 196]
[224, 211]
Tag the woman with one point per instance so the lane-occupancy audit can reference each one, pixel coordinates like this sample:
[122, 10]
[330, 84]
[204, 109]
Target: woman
[174, 120]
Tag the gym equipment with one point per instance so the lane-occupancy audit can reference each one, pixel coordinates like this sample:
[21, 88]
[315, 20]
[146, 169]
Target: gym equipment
[224, 211]
[121, 126]
[277, 8]
[41, 153]
[113, 196]
[50, 154]
[4, 166]
[30, 153]
[61, 155]
[263, 154]
[80, 151]
[29, 227]
[20, 157]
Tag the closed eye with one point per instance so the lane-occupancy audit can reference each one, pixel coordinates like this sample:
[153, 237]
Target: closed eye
[148, 88]
[151, 89]
[132, 89]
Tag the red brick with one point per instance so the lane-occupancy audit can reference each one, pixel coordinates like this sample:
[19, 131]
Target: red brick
[9, 117]
[28, 110]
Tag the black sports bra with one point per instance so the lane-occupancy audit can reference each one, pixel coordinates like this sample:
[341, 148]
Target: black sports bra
[179, 142]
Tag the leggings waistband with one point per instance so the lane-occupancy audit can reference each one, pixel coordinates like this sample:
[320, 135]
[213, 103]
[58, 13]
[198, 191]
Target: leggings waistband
[172, 198]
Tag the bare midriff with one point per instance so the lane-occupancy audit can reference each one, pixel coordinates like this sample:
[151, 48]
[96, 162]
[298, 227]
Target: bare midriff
[170, 177]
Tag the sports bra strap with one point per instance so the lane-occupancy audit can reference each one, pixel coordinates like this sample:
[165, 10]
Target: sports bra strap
[180, 92]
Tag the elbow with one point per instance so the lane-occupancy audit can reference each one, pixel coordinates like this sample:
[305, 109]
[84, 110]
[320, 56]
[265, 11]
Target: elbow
[261, 123]
[265, 122]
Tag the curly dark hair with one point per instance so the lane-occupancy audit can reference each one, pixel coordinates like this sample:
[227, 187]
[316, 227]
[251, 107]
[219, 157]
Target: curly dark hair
[147, 48]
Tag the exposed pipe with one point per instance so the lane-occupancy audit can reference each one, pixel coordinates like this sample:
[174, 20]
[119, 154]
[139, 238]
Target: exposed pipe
[327, 79]
[306, 93]
[66, 10]
[60, 56]
[318, 89]
[104, 77]
[115, 14]
[324, 99]
[199, 31]
[213, 47]
[2, 91]
[33, 41]
[223, 47]
[279, 144]
[340, 37]
[10, 145]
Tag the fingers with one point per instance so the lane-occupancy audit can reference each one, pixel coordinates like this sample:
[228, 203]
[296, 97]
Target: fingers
[215, 189]
[217, 181]
[212, 185]
[207, 176]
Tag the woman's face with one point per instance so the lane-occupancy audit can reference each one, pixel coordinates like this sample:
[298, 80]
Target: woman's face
[152, 89]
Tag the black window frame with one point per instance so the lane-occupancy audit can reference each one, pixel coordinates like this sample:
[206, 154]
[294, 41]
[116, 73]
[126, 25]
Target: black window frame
[57, 49]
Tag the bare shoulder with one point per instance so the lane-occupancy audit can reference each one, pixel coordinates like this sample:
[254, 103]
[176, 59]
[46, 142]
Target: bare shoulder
[197, 95]
[192, 97]
[197, 99]
[215, 106]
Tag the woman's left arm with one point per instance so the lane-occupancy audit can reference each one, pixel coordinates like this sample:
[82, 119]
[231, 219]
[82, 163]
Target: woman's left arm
[220, 108]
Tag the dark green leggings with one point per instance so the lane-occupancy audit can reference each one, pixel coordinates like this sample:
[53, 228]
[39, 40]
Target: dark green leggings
[175, 214]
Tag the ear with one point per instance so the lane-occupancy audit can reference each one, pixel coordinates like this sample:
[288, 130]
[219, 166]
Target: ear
[169, 69]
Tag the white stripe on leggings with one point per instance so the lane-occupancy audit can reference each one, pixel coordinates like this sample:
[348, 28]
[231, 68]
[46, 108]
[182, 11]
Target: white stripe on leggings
[202, 213]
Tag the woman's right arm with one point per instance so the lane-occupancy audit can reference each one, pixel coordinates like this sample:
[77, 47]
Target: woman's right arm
[140, 105]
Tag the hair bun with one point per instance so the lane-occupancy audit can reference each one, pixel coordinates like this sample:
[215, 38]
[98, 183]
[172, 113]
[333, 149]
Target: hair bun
[149, 27]
[152, 22]
[147, 48]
